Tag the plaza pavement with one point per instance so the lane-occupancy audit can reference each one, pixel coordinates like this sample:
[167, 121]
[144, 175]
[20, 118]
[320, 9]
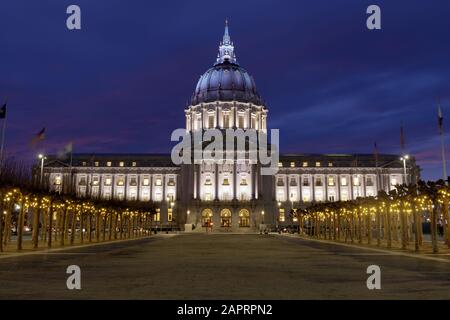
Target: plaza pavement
[222, 266]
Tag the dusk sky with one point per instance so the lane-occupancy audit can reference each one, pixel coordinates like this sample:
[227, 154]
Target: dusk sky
[120, 84]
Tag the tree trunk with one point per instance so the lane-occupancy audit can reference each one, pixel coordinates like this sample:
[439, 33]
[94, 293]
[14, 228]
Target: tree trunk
[434, 214]
[73, 227]
[7, 232]
[105, 218]
[111, 222]
[378, 222]
[36, 218]
[50, 225]
[97, 226]
[416, 225]
[19, 225]
[1, 223]
[389, 228]
[446, 223]
[63, 226]
[89, 226]
[403, 228]
[81, 227]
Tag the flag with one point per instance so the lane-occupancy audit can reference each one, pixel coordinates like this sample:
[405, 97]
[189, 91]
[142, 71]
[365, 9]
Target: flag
[65, 151]
[440, 119]
[3, 112]
[402, 139]
[375, 153]
[38, 137]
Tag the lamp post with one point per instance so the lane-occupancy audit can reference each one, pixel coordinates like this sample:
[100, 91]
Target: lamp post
[262, 216]
[404, 158]
[41, 180]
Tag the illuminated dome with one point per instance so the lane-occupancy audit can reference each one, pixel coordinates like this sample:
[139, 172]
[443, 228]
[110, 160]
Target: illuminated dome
[226, 80]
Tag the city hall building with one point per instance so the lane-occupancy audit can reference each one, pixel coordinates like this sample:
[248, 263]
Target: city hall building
[225, 196]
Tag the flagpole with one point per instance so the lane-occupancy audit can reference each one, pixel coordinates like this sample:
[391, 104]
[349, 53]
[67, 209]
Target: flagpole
[441, 133]
[3, 137]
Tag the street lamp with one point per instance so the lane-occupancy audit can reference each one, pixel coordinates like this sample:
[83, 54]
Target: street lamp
[42, 158]
[262, 215]
[404, 158]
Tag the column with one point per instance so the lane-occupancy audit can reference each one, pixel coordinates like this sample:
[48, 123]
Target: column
[338, 187]
[216, 180]
[313, 196]
[234, 180]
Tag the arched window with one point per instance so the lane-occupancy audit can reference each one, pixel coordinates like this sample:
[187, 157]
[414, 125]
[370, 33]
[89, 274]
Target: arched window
[225, 218]
[207, 217]
[244, 218]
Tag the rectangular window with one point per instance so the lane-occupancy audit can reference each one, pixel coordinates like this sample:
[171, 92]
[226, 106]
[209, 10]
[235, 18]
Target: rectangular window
[318, 164]
[282, 217]
[304, 164]
[57, 180]
[318, 182]
[133, 181]
[330, 164]
[356, 181]
[95, 181]
[369, 182]
[121, 164]
[293, 182]
[344, 181]
[330, 180]
[108, 164]
[133, 164]
[208, 196]
[96, 163]
[243, 182]
[82, 181]
[292, 164]
[108, 181]
[280, 164]
[208, 182]
[169, 215]
[306, 181]
[394, 181]
[171, 181]
[226, 182]
[120, 182]
[280, 182]
[240, 121]
[158, 215]
[158, 182]
[210, 121]
[253, 122]
[84, 163]
[226, 120]
[145, 181]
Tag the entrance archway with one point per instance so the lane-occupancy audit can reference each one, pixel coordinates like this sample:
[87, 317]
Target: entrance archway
[207, 217]
[244, 218]
[225, 218]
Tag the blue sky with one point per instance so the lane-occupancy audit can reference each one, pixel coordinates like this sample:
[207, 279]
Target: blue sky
[121, 83]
